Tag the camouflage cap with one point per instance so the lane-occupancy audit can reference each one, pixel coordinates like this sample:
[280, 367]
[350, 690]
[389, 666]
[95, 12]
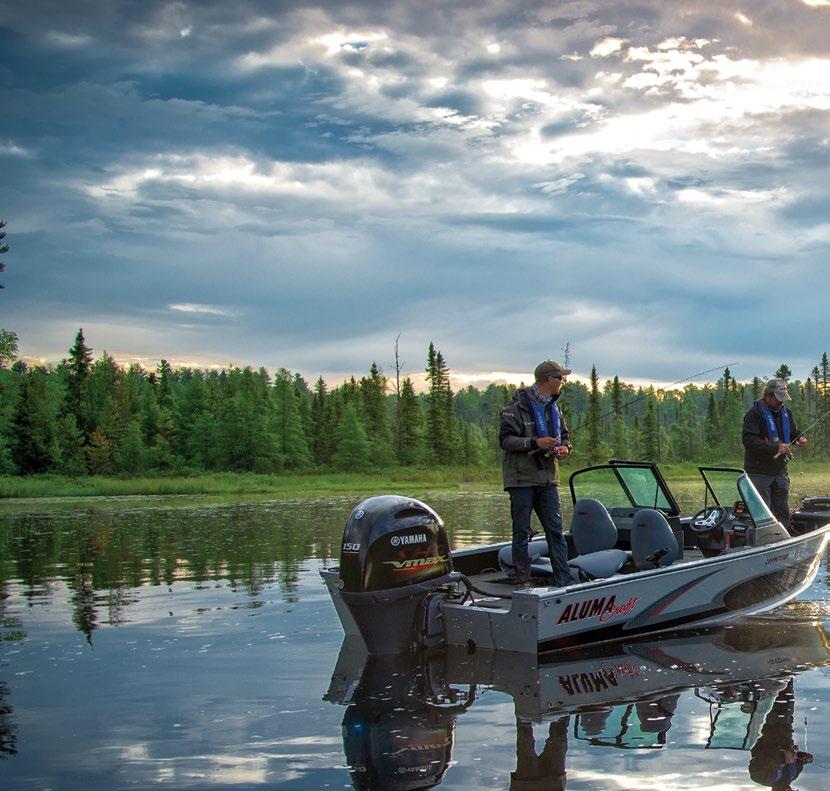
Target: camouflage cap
[778, 388]
[549, 368]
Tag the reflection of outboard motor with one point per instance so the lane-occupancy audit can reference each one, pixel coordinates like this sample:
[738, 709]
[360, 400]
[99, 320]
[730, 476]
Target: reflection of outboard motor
[395, 552]
[398, 729]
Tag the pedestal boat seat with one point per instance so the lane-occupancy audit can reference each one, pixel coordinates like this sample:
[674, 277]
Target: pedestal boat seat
[594, 536]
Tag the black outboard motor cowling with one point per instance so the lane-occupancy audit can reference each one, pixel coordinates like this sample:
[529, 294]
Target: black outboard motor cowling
[395, 552]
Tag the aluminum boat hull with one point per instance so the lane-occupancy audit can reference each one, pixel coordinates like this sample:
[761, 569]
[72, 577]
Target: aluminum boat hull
[687, 594]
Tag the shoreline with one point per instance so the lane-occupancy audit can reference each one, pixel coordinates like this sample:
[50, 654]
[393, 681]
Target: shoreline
[19, 491]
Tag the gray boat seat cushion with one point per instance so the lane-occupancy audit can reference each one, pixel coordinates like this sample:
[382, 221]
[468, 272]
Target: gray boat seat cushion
[597, 565]
[595, 536]
[653, 543]
[592, 528]
[539, 560]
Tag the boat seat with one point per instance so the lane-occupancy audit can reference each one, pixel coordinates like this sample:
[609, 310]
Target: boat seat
[537, 550]
[595, 536]
[653, 544]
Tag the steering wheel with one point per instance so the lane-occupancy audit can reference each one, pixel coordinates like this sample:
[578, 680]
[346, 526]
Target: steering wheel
[708, 519]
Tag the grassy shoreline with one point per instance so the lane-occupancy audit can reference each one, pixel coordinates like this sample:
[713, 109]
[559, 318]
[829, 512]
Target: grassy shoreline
[241, 484]
[815, 476]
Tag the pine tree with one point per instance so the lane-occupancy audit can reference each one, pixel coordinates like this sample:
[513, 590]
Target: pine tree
[35, 447]
[619, 438]
[131, 453]
[712, 431]
[493, 400]
[7, 465]
[190, 402]
[473, 451]
[291, 442]
[352, 454]
[821, 438]
[77, 369]
[98, 389]
[99, 453]
[410, 426]
[375, 418]
[439, 407]
[593, 422]
[71, 442]
[304, 399]
[730, 417]
[322, 445]
[10, 388]
[650, 440]
[164, 390]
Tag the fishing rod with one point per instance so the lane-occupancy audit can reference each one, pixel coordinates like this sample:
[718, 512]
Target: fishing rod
[804, 433]
[640, 398]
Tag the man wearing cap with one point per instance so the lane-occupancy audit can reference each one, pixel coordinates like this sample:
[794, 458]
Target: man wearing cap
[768, 433]
[533, 436]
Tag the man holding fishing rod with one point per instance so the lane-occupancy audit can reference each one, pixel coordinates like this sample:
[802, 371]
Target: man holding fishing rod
[533, 436]
[769, 432]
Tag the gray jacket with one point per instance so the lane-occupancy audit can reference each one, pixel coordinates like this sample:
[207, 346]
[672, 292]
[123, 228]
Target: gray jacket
[517, 434]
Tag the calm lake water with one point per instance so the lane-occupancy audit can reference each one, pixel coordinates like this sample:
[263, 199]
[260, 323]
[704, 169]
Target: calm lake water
[169, 643]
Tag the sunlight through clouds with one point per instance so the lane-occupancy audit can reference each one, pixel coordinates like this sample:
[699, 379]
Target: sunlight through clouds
[606, 47]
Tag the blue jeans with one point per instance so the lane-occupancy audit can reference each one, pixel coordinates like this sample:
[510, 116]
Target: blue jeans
[544, 500]
[775, 490]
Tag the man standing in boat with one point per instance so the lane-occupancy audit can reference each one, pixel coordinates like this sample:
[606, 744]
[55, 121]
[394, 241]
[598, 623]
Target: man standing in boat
[768, 433]
[533, 436]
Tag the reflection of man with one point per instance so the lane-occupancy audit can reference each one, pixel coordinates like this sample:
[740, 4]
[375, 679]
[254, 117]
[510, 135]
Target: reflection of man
[776, 760]
[546, 771]
[533, 436]
[655, 715]
[768, 432]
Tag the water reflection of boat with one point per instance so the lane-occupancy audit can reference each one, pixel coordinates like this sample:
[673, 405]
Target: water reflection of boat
[638, 568]
[399, 725]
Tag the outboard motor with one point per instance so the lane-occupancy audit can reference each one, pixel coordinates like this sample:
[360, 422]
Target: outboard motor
[395, 553]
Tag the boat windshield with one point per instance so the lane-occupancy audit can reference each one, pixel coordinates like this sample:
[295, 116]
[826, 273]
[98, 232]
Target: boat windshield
[729, 486]
[624, 485]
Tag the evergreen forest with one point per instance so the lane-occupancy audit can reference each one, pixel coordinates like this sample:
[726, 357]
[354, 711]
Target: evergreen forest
[91, 416]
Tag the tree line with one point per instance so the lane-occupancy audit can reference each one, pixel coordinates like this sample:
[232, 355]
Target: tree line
[94, 416]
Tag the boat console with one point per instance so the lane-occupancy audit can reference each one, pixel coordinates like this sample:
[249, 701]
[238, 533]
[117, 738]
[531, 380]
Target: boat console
[722, 528]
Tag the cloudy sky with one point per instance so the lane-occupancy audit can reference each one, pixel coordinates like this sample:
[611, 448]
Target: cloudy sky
[296, 183]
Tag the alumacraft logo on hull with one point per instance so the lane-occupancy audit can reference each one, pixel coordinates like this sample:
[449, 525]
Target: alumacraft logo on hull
[604, 609]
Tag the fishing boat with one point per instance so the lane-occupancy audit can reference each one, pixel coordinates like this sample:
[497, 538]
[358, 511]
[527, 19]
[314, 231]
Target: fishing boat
[638, 566]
